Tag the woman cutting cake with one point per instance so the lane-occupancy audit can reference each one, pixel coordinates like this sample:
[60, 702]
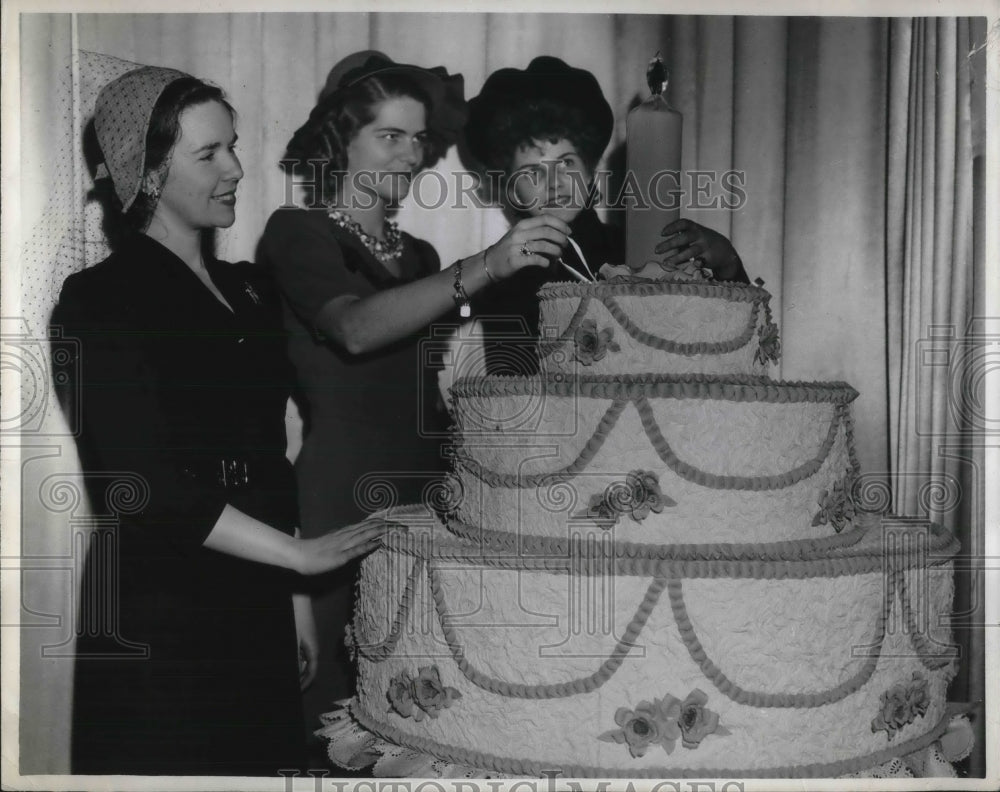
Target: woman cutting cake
[545, 128]
[359, 296]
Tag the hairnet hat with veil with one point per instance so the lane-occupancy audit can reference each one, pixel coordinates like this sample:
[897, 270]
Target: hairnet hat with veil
[68, 233]
[122, 114]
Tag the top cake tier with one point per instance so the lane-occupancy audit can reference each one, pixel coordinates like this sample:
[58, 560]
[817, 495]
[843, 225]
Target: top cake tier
[632, 326]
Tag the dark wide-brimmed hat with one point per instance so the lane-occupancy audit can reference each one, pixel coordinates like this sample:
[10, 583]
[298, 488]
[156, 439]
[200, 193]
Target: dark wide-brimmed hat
[446, 91]
[546, 79]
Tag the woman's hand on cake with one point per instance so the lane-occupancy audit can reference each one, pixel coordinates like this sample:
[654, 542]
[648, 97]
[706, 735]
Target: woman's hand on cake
[686, 240]
[530, 243]
[336, 548]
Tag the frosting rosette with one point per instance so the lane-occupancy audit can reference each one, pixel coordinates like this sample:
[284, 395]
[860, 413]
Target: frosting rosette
[650, 723]
[901, 704]
[663, 721]
[697, 721]
[591, 344]
[420, 696]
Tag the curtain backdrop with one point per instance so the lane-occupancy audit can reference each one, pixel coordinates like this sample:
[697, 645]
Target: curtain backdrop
[934, 272]
[858, 217]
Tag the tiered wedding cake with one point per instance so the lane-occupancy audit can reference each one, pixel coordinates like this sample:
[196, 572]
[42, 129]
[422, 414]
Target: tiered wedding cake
[648, 563]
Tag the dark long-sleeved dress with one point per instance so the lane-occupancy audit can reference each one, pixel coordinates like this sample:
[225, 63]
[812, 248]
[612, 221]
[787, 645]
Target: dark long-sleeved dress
[187, 658]
[373, 433]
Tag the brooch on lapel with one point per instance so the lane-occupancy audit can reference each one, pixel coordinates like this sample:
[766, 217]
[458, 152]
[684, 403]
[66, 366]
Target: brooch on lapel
[251, 293]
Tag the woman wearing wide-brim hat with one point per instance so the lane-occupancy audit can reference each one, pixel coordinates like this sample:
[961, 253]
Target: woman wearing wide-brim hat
[544, 129]
[359, 296]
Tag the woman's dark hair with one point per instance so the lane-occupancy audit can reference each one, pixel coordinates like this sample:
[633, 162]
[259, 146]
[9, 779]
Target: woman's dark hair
[162, 134]
[522, 124]
[318, 150]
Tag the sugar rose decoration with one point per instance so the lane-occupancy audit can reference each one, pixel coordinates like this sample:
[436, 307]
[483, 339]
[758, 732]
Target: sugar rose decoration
[637, 497]
[697, 721]
[593, 344]
[768, 345]
[420, 696]
[836, 506]
[645, 495]
[662, 722]
[692, 269]
[901, 704]
[649, 724]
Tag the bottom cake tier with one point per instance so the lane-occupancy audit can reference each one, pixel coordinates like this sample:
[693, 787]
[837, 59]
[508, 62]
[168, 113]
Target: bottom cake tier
[593, 659]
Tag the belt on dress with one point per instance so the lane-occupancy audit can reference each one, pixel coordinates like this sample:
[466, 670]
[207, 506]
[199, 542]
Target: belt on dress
[235, 472]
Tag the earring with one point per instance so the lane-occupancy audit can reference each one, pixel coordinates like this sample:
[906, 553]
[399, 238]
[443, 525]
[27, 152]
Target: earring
[152, 184]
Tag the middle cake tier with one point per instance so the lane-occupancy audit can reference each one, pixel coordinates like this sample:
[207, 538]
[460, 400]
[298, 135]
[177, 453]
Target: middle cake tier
[655, 458]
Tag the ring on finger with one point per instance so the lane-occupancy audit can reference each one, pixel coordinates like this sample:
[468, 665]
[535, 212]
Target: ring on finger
[525, 250]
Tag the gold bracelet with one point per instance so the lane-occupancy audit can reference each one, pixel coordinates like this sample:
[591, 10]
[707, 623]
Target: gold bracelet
[489, 275]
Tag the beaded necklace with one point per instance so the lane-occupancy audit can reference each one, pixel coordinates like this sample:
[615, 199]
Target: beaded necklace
[385, 251]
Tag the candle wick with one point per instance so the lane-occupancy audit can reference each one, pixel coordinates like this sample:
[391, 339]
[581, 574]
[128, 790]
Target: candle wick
[657, 76]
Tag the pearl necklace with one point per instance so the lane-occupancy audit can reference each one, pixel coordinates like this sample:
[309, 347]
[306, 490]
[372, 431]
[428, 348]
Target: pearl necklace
[386, 251]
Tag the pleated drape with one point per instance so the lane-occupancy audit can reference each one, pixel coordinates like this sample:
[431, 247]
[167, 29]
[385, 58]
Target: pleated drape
[929, 253]
[936, 346]
[852, 137]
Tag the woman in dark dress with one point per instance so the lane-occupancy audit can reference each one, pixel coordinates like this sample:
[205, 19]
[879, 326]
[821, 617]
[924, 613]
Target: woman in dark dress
[358, 298]
[192, 650]
[544, 128]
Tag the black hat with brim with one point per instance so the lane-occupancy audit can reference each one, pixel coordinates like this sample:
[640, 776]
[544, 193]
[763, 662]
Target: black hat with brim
[546, 79]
